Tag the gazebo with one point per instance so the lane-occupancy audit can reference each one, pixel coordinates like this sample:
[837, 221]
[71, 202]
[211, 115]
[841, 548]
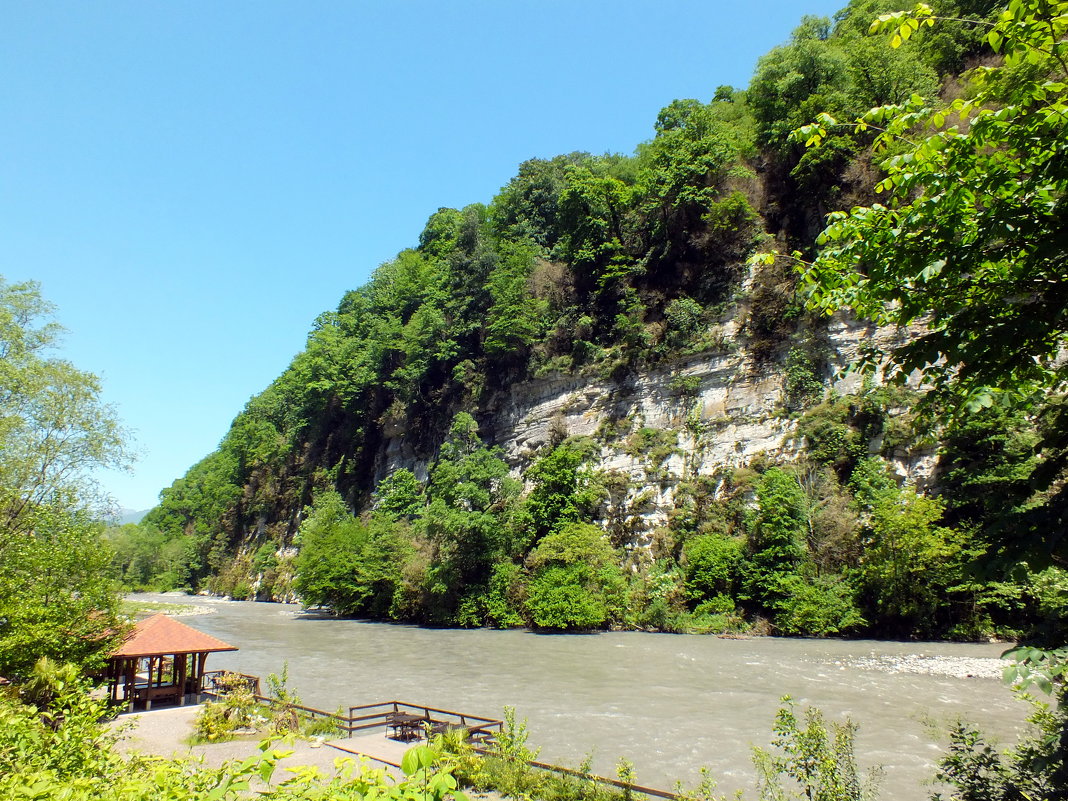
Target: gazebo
[161, 661]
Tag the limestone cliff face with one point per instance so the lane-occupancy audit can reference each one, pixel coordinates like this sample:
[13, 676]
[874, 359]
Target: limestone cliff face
[685, 419]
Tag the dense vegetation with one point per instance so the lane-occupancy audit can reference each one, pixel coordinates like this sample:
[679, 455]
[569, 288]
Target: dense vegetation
[55, 743]
[605, 266]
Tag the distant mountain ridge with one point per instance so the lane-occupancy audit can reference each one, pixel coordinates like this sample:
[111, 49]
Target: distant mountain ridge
[130, 516]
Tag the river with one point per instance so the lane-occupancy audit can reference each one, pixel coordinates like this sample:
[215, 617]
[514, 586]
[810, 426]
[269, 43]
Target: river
[669, 703]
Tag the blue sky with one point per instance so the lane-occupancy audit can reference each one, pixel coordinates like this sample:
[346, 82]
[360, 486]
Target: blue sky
[192, 183]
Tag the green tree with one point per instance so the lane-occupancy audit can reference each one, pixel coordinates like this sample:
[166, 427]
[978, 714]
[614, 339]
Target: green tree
[56, 599]
[576, 582]
[968, 240]
[811, 759]
[911, 564]
[528, 208]
[986, 464]
[399, 495]
[593, 211]
[776, 537]
[472, 498]
[136, 551]
[796, 81]
[516, 319]
[816, 606]
[343, 563]
[562, 492]
[711, 565]
[54, 428]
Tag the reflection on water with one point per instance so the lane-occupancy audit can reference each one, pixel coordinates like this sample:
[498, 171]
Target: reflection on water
[669, 703]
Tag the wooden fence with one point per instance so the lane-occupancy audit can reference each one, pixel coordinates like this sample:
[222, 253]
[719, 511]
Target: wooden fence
[368, 717]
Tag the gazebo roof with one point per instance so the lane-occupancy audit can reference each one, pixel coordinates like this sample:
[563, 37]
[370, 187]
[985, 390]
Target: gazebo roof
[160, 635]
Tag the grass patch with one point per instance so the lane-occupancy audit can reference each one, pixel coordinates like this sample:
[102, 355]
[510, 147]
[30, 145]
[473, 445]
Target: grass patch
[136, 609]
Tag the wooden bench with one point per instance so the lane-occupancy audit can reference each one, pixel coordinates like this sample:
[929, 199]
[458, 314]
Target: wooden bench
[170, 693]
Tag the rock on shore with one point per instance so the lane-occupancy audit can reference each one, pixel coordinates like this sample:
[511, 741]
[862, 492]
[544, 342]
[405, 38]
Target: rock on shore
[958, 667]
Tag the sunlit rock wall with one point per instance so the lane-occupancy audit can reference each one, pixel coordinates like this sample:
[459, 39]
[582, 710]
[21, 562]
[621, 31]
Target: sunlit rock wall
[702, 413]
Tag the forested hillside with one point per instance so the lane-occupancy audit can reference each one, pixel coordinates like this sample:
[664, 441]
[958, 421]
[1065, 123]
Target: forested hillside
[381, 474]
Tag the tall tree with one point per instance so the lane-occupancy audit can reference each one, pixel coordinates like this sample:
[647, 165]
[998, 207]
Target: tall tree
[54, 429]
[55, 599]
[971, 240]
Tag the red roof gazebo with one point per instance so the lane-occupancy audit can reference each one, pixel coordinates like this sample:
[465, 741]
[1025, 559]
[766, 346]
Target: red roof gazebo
[161, 661]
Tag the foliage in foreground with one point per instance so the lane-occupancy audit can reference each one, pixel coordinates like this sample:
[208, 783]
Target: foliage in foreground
[968, 242]
[811, 759]
[1037, 767]
[66, 751]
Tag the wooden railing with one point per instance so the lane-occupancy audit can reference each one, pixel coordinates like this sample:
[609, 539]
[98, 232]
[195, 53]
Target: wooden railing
[482, 731]
[373, 716]
[369, 716]
[212, 679]
[635, 788]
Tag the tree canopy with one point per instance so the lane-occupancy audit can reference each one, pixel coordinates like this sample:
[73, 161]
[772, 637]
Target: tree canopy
[55, 597]
[969, 246]
[970, 242]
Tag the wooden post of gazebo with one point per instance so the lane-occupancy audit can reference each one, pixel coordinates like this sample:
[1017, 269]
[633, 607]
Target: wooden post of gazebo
[138, 671]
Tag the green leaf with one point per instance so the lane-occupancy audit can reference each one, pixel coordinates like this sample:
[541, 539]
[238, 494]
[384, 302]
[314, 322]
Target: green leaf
[417, 758]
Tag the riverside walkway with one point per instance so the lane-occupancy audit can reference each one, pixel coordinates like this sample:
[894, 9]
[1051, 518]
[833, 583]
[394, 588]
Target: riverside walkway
[168, 732]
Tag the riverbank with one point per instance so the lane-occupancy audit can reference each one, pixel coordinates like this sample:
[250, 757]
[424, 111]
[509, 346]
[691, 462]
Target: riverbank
[135, 609]
[919, 663]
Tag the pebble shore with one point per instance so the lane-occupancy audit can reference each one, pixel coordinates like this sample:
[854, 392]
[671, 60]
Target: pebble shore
[957, 667]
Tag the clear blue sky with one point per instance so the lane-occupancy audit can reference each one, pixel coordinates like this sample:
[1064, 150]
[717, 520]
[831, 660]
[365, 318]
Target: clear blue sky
[192, 183]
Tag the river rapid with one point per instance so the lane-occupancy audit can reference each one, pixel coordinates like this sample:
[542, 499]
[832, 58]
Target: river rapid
[669, 703]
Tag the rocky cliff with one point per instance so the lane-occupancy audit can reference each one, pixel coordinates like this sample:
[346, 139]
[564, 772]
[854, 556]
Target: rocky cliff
[692, 417]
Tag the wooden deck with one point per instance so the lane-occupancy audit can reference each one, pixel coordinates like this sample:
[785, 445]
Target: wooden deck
[376, 747]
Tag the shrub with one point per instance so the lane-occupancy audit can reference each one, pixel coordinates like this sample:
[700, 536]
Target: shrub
[685, 385]
[813, 759]
[717, 605]
[559, 598]
[819, 607]
[661, 615]
[801, 384]
[234, 709]
[711, 562]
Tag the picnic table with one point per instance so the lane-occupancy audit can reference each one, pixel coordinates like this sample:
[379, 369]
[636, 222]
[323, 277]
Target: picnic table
[405, 726]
